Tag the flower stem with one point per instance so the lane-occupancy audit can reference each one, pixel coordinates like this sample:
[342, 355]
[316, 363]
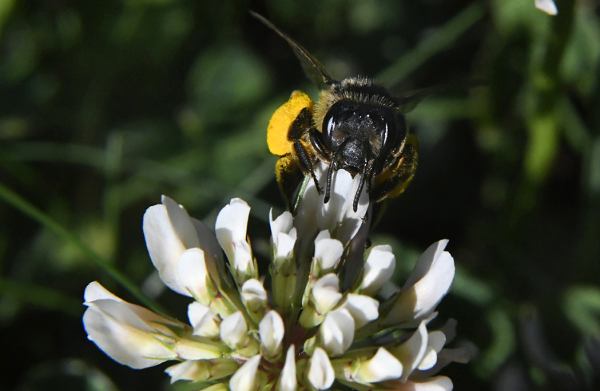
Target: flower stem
[28, 209]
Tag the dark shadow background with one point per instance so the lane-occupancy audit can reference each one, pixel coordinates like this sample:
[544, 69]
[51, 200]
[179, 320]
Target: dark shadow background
[106, 105]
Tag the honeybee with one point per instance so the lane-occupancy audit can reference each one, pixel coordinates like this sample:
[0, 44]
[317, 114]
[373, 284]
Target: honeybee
[356, 125]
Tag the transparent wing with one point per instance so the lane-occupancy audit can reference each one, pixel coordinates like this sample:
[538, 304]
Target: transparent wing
[312, 67]
[409, 101]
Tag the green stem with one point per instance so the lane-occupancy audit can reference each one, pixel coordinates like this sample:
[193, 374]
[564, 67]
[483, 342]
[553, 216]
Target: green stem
[28, 209]
[41, 296]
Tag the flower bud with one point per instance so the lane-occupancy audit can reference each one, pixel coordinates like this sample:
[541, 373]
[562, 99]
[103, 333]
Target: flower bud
[271, 330]
[327, 253]
[189, 370]
[325, 293]
[287, 380]
[234, 331]
[254, 297]
[244, 379]
[202, 319]
[320, 371]
[379, 267]
[230, 229]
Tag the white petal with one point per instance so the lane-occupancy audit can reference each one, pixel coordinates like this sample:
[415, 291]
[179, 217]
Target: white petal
[284, 245]
[234, 331]
[426, 262]
[379, 267]
[131, 314]
[167, 233]
[189, 370]
[435, 343]
[320, 370]
[293, 233]
[243, 379]
[204, 321]
[362, 308]
[193, 276]
[242, 259]
[231, 225]
[287, 381]
[323, 235]
[412, 351]
[271, 332]
[254, 295]
[123, 341]
[437, 340]
[282, 224]
[181, 223]
[434, 286]
[429, 359]
[337, 332]
[95, 291]
[547, 6]
[428, 284]
[439, 383]
[326, 293]
[338, 214]
[329, 251]
[383, 366]
[213, 253]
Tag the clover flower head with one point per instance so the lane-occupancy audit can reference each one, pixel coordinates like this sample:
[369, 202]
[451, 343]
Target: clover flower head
[313, 326]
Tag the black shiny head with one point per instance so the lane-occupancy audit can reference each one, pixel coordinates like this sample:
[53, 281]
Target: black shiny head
[362, 131]
[361, 135]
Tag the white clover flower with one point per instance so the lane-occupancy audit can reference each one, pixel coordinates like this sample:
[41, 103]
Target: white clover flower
[311, 326]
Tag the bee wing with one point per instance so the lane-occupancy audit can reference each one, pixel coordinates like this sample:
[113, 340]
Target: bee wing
[408, 102]
[311, 66]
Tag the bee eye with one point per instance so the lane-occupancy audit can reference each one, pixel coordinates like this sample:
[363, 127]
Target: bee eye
[393, 135]
[330, 126]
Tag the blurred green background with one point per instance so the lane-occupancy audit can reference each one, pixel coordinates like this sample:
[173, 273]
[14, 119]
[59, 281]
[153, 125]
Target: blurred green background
[106, 105]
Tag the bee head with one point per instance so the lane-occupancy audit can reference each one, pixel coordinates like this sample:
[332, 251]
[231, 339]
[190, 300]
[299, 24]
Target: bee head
[361, 136]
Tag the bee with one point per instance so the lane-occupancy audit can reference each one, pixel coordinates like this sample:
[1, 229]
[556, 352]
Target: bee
[356, 125]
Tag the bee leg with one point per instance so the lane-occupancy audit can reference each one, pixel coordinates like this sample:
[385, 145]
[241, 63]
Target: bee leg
[358, 191]
[316, 139]
[403, 173]
[333, 166]
[361, 184]
[306, 163]
[386, 188]
[330, 170]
